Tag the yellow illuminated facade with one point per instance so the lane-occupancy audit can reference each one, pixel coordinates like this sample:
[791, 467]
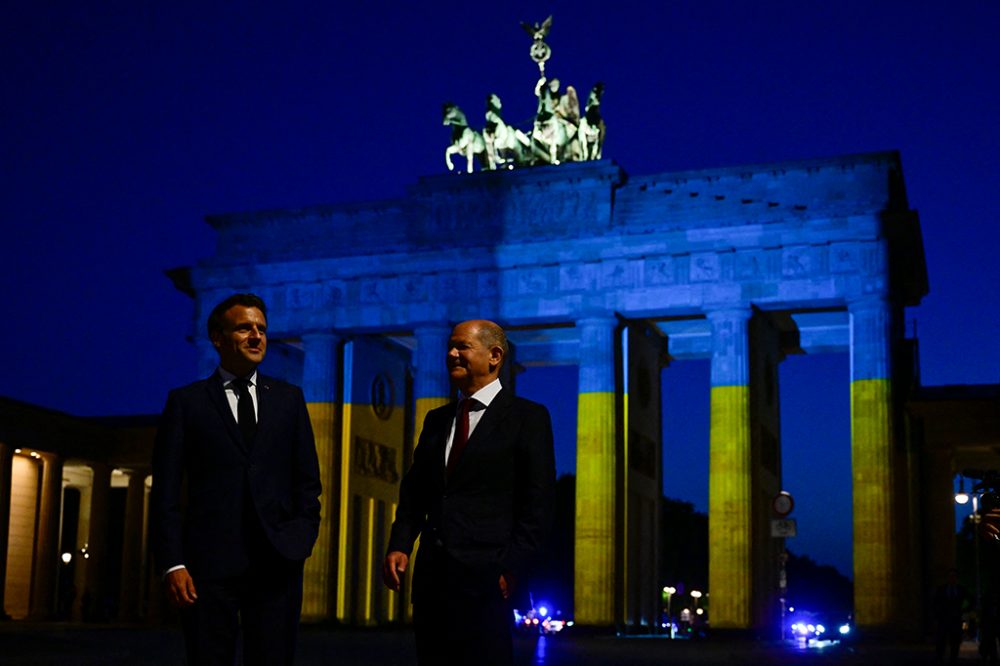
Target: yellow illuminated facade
[729, 507]
[594, 551]
[317, 575]
[875, 546]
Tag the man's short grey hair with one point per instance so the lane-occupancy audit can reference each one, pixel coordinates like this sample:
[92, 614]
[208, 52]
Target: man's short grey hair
[492, 335]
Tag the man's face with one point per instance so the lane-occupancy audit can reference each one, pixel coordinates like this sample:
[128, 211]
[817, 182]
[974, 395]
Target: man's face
[471, 364]
[243, 340]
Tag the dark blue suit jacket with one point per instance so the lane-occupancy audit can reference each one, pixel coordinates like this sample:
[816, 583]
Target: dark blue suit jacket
[492, 515]
[208, 485]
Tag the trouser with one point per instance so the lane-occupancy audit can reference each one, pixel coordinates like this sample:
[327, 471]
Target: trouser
[455, 629]
[255, 613]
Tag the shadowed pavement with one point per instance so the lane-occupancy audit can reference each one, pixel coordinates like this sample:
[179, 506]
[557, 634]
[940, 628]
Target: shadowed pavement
[112, 645]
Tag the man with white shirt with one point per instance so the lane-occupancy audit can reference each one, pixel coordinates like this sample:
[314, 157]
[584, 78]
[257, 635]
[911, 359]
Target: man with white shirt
[480, 495]
[235, 499]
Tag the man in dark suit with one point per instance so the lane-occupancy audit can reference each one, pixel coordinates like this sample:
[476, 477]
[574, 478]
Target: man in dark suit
[235, 500]
[480, 494]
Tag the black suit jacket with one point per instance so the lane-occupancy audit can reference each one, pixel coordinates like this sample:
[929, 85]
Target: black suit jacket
[493, 513]
[209, 486]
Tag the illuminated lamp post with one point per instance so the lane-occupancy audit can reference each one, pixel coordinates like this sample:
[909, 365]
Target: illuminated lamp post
[962, 497]
[696, 595]
[668, 592]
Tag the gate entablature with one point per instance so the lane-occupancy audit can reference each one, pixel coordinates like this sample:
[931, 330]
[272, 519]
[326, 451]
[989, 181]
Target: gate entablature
[547, 244]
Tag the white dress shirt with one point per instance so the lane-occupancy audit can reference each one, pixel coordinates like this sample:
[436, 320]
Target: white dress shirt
[233, 396]
[483, 396]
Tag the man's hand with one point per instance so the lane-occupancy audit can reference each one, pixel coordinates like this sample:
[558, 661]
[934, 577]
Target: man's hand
[180, 588]
[504, 587]
[393, 565]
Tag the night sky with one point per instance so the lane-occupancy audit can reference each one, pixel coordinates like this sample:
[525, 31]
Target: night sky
[125, 123]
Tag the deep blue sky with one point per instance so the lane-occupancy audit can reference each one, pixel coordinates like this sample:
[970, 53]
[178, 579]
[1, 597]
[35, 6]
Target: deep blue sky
[125, 123]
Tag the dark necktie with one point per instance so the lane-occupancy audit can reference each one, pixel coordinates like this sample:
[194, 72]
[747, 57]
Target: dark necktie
[245, 416]
[461, 433]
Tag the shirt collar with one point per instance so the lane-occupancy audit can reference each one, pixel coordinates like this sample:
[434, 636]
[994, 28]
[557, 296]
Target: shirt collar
[486, 394]
[228, 377]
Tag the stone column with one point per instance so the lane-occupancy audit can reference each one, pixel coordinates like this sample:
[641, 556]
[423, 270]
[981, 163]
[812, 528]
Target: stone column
[320, 376]
[872, 460]
[82, 542]
[596, 474]
[938, 482]
[765, 353]
[46, 570]
[91, 566]
[730, 472]
[208, 357]
[6, 477]
[130, 596]
[431, 385]
[431, 389]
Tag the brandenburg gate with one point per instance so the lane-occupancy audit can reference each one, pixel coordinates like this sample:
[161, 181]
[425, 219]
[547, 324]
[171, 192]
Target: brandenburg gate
[618, 275]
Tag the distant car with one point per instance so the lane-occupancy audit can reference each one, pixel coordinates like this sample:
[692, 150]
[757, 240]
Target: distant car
[541, 621]
[809, 628]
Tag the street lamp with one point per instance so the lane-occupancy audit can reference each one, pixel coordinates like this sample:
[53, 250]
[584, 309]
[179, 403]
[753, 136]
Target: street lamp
[962, 497]
[696, 595]
[668, 592]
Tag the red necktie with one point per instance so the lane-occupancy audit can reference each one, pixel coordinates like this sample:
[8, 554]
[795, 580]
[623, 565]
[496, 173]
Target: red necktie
[461, 433]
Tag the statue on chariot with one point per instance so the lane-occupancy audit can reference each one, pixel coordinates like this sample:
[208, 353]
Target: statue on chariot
[559, 132]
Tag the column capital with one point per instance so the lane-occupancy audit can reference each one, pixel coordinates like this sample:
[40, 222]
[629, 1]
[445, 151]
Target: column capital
[431, 379]
[597, 353]
[868, 303]
[432, 329]
[729, 313]
[730, 346]
[872, 338]
[136, 471]
[598, 320]
[319, 372]
[320, 336]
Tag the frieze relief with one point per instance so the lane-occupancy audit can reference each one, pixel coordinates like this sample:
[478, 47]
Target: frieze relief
[797, 262]
[301, 297]
[574, 277]
[843, 259]
[618, 274]
[375, 290]
[333, 293]
[415, 288]
[705, 267]
[748, 265]
[456, 287]
[531, 281]
[659, 271]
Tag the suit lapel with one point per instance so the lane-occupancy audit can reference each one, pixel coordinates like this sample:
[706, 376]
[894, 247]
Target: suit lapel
[217, 394]
[491, 418]
[265, 410]
[441, 438]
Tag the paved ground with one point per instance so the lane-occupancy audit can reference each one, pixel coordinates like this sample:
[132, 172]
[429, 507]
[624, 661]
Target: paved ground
[78, 645]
